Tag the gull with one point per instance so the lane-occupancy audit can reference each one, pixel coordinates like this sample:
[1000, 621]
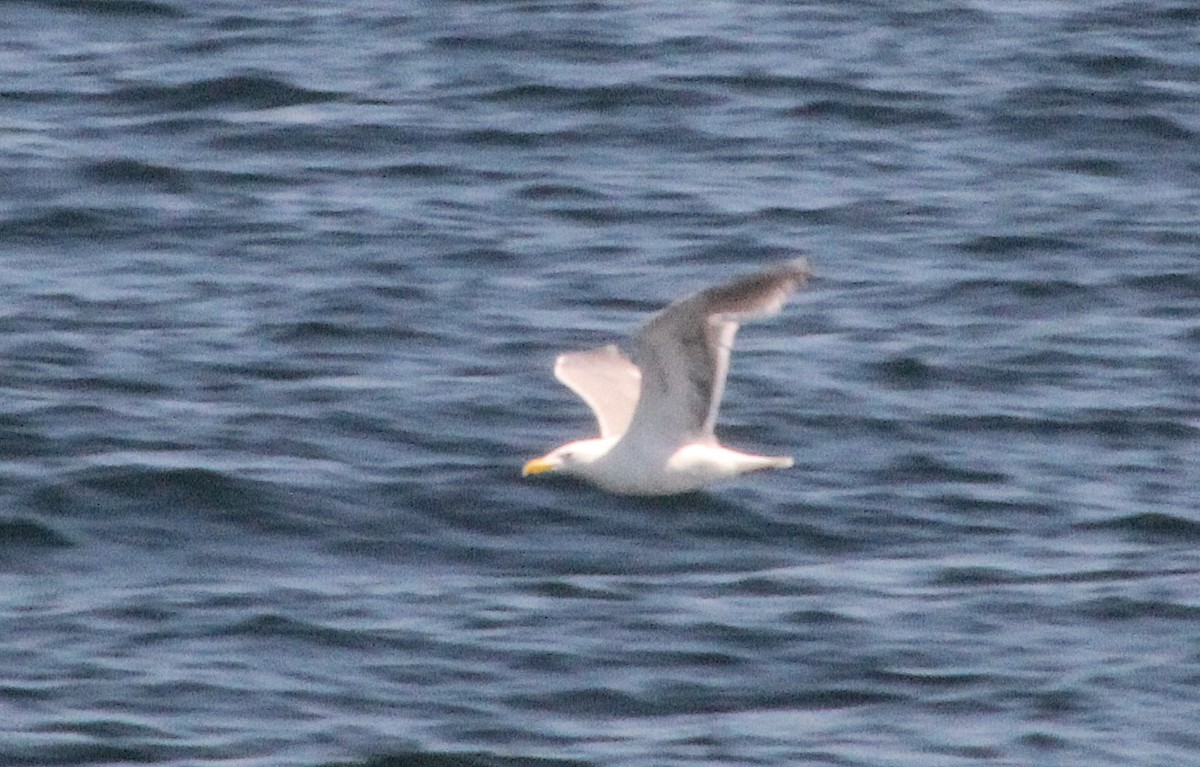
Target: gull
[656, 412]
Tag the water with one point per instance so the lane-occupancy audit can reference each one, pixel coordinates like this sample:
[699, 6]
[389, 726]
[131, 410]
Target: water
[284, 283]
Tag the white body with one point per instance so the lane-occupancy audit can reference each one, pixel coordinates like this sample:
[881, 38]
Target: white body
[688, 468]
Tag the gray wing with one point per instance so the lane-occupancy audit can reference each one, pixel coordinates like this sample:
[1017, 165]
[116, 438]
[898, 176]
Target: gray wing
[607, 381]
[683, 351]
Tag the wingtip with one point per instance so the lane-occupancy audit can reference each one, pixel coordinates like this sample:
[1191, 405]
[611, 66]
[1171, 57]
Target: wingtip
[790, 276]
[800, 268]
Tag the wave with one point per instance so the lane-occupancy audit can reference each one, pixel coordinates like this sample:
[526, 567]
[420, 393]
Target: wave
[1120, 608]
[603, 98]
[875, 114]
[59, 223]
[681, 699]
[923, 468]
[458, 759]
[26, 534]
[122, 171]
[115, 9]
[1155, 526]
[164, 498]
[1111, 117]
[274, 626]
[1140, 423]
[244, 91]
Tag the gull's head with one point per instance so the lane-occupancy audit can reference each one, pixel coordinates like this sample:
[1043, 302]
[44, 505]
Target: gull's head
[573, 458]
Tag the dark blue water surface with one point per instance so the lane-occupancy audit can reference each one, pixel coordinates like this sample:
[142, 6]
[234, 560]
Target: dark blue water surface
[283, 285]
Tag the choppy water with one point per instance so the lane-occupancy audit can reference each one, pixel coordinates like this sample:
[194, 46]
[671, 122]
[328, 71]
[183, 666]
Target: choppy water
[283, 286]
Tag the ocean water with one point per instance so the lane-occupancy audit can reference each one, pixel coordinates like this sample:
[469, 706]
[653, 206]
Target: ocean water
[283, 285]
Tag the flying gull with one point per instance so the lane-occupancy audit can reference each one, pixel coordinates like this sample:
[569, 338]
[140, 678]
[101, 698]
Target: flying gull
[656, 412]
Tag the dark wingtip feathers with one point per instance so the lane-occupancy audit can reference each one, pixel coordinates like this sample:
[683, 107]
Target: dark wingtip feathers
[798, 269]
[758, 294]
